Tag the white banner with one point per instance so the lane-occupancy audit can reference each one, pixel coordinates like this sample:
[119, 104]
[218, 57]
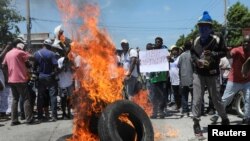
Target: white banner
[154, 60]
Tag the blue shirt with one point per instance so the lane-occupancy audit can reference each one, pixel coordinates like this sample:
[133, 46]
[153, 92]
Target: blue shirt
[46, 62]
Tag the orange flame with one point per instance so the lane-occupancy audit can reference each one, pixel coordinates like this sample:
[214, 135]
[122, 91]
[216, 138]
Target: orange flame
[101, 81]
[142, 100]
[168, 131]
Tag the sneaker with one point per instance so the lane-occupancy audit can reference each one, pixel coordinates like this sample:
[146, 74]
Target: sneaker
[225, 121]
[22, 117]
[211, 112]
[54, 119]
[162, 115]
[33, 122]
[214, 119]
[15, 123]
[191, 114]
[196, 126]
[184, 115]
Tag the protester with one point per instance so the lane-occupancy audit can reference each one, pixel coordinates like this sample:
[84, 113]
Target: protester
[65, 84]
[129, 60]
[46, 65]
[17, 78]
[174, 75]
[4, 87]
[238, 81]
[158, 82]
[149, 46]
[206, 53]
[186, 78]
[224, 71]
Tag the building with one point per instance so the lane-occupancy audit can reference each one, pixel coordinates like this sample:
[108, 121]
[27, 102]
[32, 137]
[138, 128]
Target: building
[37, 40]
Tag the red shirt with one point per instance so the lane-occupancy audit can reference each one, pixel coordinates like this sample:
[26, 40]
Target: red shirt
[15, 60]
[239, 57]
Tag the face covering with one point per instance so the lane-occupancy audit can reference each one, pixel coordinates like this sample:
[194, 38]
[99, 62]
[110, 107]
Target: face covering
[205, 32]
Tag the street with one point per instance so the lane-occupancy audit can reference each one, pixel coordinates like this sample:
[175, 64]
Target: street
[172, 128]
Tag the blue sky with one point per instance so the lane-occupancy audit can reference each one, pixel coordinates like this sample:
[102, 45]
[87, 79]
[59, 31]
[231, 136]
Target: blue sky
[138, 21]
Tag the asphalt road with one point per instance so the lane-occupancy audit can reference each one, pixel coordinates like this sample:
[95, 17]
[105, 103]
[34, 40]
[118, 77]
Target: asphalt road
[172, 128]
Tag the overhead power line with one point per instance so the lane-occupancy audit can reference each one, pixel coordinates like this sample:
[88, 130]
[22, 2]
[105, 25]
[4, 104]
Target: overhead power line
[117, 27]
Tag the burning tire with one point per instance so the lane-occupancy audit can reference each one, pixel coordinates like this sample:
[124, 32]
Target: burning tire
[110, 128]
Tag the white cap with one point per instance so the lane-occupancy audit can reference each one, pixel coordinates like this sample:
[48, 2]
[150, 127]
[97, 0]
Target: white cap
[20, 45]
[172, 47]
[124, 41]
[47, 42]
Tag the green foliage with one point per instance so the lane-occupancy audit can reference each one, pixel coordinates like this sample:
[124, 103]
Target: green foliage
[238, 18]
[8, 23]
[180, 41]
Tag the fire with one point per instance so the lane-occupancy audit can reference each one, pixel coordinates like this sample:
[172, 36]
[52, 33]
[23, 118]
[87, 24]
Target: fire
[167, 132]
[142, 100]
[101, 81]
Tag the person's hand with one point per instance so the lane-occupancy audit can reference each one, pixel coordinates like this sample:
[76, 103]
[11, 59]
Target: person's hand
[245, 75]
[168, 57]
[200, 63]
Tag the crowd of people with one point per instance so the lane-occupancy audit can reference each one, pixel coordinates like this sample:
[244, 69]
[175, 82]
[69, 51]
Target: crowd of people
[35, 80]
[201, 64]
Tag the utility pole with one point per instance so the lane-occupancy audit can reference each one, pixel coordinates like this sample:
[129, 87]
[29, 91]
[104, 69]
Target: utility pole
[28, 23]
[225, 22]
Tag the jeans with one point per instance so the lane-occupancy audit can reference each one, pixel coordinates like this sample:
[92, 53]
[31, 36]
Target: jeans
[47, 85]
[20, 89]
[158, 96]
[213, 85]
[185, 90]
[231, 89]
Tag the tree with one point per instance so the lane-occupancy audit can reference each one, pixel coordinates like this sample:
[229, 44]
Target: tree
[9, 18]
[180, 41]
[238, 18]
[218, 29]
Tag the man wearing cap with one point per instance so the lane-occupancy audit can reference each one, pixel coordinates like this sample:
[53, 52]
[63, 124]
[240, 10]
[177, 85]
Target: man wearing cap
[129, 60]
[17, 78]
[206, 53]
[46, 65]
[174, 75]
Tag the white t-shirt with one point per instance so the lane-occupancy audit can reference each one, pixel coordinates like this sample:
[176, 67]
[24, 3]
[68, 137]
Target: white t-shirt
[225, 67]
[126, 61]
[174, 72]
[65, 77]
